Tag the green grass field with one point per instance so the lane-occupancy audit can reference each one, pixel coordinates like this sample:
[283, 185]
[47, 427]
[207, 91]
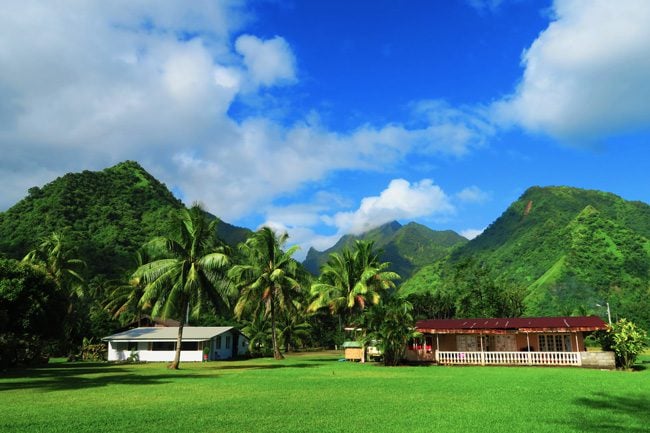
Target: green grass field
[316, 393]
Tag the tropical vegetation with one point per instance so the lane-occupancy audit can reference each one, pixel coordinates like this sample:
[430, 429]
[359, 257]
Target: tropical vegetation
[116, 245]
[187, 270]
[267, 279]
[352, 280]
[626, 340]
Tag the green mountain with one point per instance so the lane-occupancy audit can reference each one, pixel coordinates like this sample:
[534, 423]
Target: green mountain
[407, 247]
[107, 214]
[569, 248]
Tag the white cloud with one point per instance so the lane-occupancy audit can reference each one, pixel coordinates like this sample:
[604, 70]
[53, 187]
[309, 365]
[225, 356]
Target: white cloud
[86, 85]
[268, 62]
[586, 75]
[471, 233]
[453, 130]
[401, 200]
[473, 194]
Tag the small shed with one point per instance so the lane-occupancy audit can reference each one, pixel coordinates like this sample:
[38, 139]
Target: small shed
[158, 344]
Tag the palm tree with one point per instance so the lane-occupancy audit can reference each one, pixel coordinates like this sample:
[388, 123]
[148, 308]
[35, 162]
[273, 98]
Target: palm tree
[390, 324]
[187, 269]
[258, 331]
[55, 257]
[351, 280]
[293, 328]
[123, 300]
[267, 278]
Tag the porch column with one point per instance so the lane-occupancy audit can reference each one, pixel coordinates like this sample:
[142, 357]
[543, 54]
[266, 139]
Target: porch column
[482, 354]
[437, 347]
[528, 347]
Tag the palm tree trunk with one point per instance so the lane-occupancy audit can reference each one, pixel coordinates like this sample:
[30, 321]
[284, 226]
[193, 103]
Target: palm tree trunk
[276, 349]
[177, 357]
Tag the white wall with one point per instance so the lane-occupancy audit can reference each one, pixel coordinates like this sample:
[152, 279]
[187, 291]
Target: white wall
[118, 352]
[153, 355]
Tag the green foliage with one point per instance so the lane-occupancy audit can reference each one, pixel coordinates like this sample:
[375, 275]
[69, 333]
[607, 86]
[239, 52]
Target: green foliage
[32, 308]
[627, 341]
[477, 293]
[268, 279]
[56, 256]
[91, 351]
[294, 329]
[186, 270]
[407, 248]
[569, 248]
[258, 331]
[437, 305]
[352, 280]
[107, 215]
[391, 324]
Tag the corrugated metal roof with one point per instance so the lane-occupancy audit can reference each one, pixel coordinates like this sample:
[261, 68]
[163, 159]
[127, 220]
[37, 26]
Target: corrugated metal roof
[190, 333]
[526, 324]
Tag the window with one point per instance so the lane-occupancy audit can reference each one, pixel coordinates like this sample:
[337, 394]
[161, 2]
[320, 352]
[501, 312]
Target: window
[217, 342]
[119, 345]
[163, 345]
[555, 343]
[228, 341]
[133, 345]
[190, 345]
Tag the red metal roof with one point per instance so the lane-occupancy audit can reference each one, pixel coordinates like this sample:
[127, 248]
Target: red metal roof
[524, 324]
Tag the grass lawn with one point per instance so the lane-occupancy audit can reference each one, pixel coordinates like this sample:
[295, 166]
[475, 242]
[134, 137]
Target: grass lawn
[316, 393]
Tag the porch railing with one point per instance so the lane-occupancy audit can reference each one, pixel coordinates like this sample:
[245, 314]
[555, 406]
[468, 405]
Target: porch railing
[509, 358]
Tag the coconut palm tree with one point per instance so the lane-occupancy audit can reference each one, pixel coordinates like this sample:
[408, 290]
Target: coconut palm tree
[266, 278]
[390, 324]
[352, 280]
[188, 269]
[293, 328]
[258, 331]
[55, 257]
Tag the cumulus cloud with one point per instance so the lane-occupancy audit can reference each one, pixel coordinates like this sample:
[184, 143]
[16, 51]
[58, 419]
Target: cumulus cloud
[472, 194]
[471, 233]
[268, 62]
[400, 200]
[86, 85]
[586, 75]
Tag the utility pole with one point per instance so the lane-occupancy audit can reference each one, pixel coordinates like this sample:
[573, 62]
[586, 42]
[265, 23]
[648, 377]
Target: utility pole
[609, 313]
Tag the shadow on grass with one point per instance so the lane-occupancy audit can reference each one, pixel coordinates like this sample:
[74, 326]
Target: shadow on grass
[606, 413]
[71, 376]
[266, 366]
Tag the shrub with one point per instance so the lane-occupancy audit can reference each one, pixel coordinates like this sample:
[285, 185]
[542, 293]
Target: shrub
[626, 340]
[93, 351]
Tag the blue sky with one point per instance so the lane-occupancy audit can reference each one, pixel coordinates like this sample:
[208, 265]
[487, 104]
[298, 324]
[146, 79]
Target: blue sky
[330, 117]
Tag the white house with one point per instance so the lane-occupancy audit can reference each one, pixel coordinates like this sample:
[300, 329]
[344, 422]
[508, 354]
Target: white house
[158, 344]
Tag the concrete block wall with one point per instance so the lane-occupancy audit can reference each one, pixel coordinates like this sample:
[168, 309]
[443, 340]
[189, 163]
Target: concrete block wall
[598, 360]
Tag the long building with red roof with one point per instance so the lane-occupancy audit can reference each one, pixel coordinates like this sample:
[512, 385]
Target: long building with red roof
[508, 341]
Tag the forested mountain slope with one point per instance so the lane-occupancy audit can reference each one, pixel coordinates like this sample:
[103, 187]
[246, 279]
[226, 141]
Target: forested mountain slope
[107, 215]
[569, 248]
[407, 247]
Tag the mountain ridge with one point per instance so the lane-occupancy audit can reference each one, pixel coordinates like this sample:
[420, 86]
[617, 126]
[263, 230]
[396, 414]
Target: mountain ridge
[406, 247]
[108, 214]
[569, 248]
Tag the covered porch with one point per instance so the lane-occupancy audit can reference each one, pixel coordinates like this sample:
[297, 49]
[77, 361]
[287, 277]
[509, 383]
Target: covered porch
[548, 341]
